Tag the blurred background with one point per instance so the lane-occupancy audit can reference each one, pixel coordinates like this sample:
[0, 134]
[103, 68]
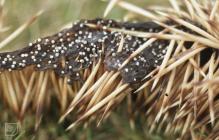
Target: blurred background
[57, 14]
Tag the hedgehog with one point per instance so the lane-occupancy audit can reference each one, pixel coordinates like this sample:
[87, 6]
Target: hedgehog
[167, 64]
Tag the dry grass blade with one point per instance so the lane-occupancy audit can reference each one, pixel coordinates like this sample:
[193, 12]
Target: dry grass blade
[214, 10]
[2, 2]
[4, 29]
[19, 30]
[109, 7]
[175, 5]
[190, 8]
[137, 10]
[197, 7]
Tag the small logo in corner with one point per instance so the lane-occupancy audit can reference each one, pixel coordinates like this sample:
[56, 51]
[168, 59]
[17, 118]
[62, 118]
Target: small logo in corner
[11, 129]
